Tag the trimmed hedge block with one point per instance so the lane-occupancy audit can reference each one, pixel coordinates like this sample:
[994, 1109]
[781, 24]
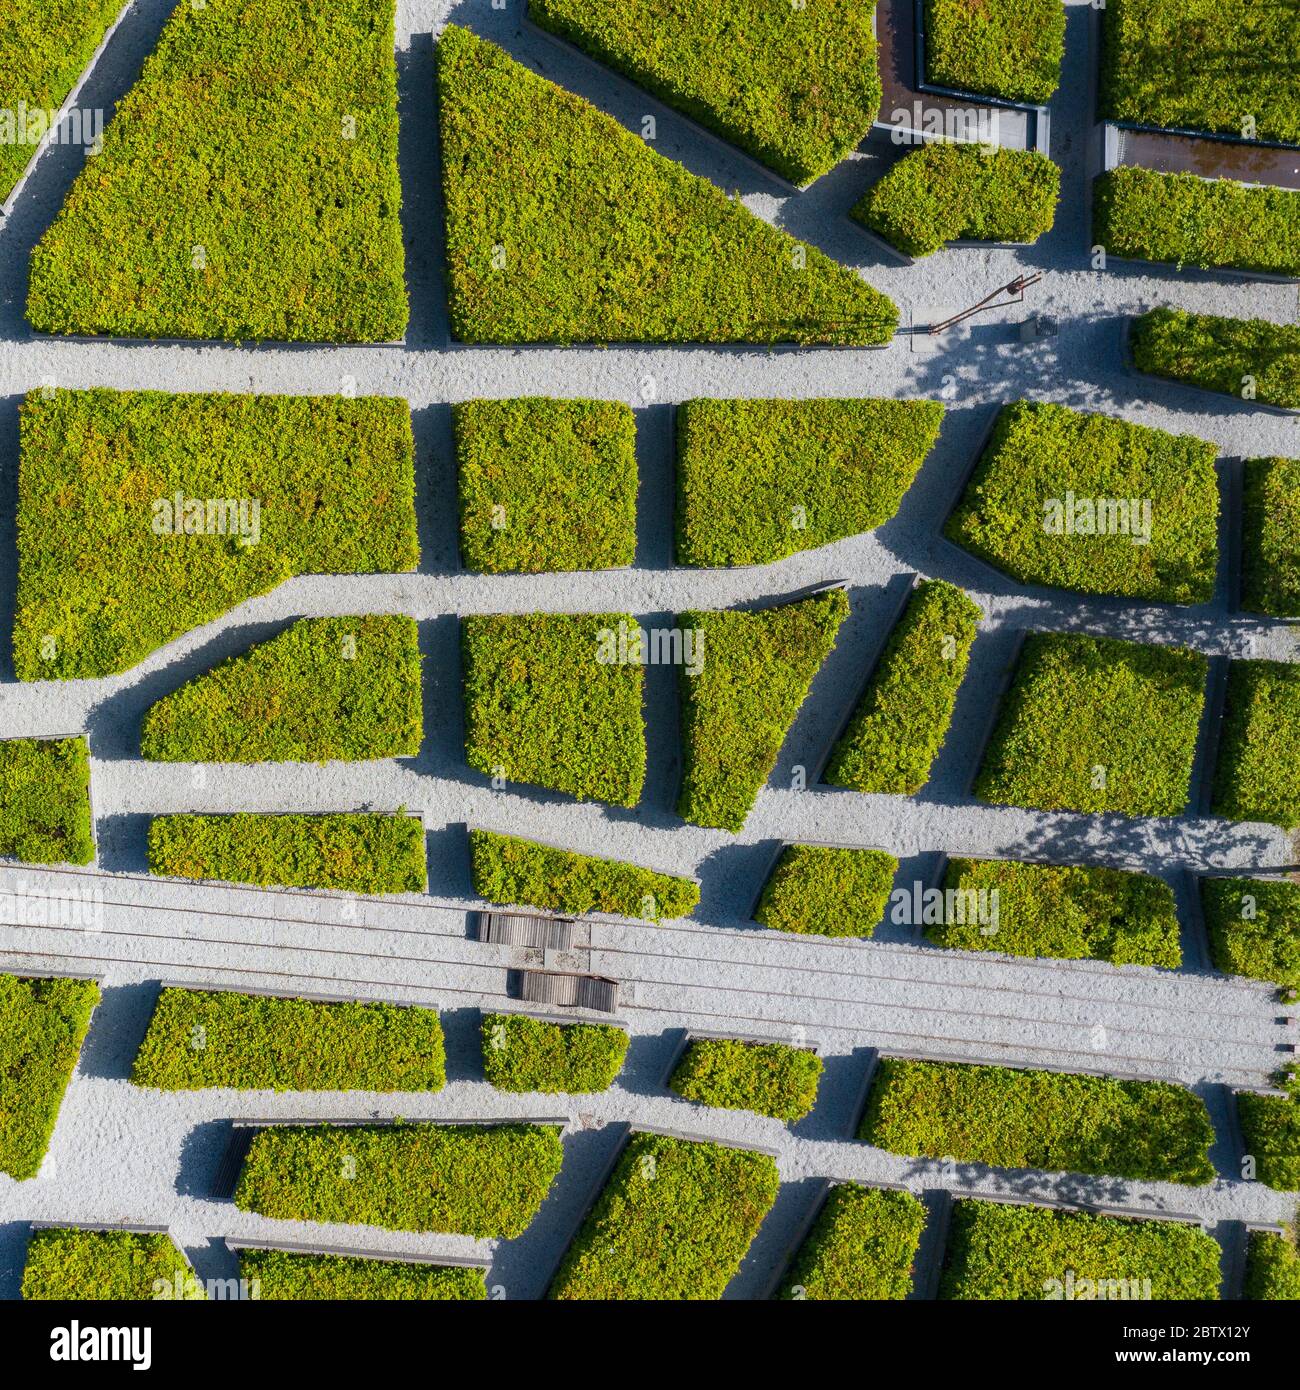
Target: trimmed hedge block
[862, 1247]
[823, 891]
[1272, 1267]
[1270, 537]
[45, 815]
[1252, 359]
[1003, 48]
[283, 1276]
[770, 1079]
[1254, 928]
[1257, 771]
[1270, 1128]
[530, 1054]
[70, 1265]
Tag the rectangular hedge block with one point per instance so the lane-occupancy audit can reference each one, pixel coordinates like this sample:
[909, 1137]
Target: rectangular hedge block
[529, 1054]
[1257, 771]
[770, 1079]
[1272, 1267]
[1254, 928]
[824, 891]
[1252, 359]
[1270, 1130]
[70, 1265]
[45, 815]
[1270, 537]
[861, 1248]
[1002, 48]
[284, 1276]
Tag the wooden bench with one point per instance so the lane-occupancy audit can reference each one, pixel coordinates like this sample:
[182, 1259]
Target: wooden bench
[526, 929]
[596, 992]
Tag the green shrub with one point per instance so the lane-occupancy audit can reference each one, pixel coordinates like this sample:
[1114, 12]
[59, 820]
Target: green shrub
[509, 870]
[760, 480]
[941, 193]
[902, 719]
[1270, 537]
[546, 485]
[285, 1276]
[1257, 771]
[753, 672]
[1144, 1130]
[201, 1038]
[823, 891]
[770, 1079]
[237, 229]
[326, 689]
[103, 579]
[674, 1222]
[549, 702]
[1270, 1127]
[45, 815]
[1202, 65]
[564, 227]
[459, 1179]
[797, 89]
[1186, 220]
[529, 1054]
[347, 853]
[1254, 928]
[1094, 504]
[996, 1251]
[72, 1265]
[42, 1026]
[1003, 48]
[1220, 354]
[1272, 1267]
[1094, 724]
[1065, 911]
[861, 1248]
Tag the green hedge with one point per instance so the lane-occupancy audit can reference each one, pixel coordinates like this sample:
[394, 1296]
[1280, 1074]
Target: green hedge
[459, 1179]
[942, 193]
[674, 1222]
[1097, 725]
[1186, 220]
[1270, 1128]
[1064, 911]
[1220, 354]
[546, 485]
[768, 1078]
[347, 853]
[861, 1248]
[823, 891]
[760, 480]
[1002, 48]
[737, 709]
[1270, 537]
[1254, 927]
[1257, 770]
[282, 1276]
[564, 227]
[275, 216]
[900, 723]
[1272, 1267]
[326, 689]
[42, 1026]
[546, 704]
[529, 1054]
[201, 1038]
[1064, 498]
[512, 871]
[798, 88]
[1149, 1131]
[99, 587]
[997, 1251]
[72, 1265]
[1202, 65]
[45, 815]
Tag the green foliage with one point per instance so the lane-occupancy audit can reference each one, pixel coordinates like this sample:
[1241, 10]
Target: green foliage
[1219, 353]
[861, 1248]
[529, 1054]
[1202, 65]
[546, 485]
[768, 1078]
[274, 216]
[1146, 1130]
[548, 702]
[997, 1251]
[1272, 1267]
[325, 689]
[758, 480]
[941, 193]
[201, 1038]
[1186, 220]
[1254, 927]
[1002, 48]
[1065, 911]
[42, 1026]
[348, 853]
[1270, 1127]
[508, 870]
[103, 580]
[754, 674]
[1064, 498]
[1257, 772]
[45, 815]
[1270, 537]
[597, 238]
[485, 1181]
[824, 891]
[674, 1222]
[285, 1276]
[72, 1265]
[902, 719]
[1094, 724]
